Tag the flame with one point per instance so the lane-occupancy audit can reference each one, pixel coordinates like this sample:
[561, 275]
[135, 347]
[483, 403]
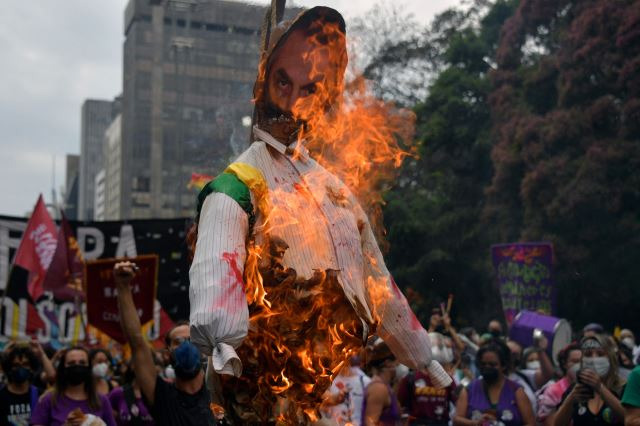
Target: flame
[303, 330]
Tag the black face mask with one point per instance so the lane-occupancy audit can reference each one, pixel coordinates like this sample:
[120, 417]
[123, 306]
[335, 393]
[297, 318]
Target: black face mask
[495, 333]
[489, 374]
[19, 375]
[76, 374]
[440, 329]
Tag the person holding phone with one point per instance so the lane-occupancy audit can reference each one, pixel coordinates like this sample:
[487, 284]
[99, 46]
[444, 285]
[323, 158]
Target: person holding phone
[595, 398]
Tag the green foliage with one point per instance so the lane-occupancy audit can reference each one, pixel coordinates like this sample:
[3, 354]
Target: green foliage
[530, 132]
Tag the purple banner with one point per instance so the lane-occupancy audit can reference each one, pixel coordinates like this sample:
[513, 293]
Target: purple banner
[525, 279]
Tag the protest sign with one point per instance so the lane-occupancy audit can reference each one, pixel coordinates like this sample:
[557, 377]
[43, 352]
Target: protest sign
[524, 275]
[102, 294]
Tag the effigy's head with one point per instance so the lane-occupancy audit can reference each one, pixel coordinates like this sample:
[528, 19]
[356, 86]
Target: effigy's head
[301, 73]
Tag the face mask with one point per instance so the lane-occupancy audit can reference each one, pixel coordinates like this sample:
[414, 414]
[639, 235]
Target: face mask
[495, 333]
[533, 365]
[599, 364]
[169, 373]
[19, 375]
[401, 371]
[186, 361]
[628, 341]
[76, 374]
[489, 374]
[447, 355]
[100, 369]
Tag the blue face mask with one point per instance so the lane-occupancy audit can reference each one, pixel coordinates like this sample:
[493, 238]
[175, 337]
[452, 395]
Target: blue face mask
[186, 361]
[19, 375]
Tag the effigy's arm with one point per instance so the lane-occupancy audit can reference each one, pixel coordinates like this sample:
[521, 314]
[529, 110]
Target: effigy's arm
[219, 314]
[397, 324]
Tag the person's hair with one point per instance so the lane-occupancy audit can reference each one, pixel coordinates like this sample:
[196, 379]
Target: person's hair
[61, 383]
[377, 355]
[612, 380]
[96, 351]
[499, 348]
[563, 355]
[167, 335]
[20, 352]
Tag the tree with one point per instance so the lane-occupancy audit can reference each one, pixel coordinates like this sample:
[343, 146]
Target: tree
[565, 106]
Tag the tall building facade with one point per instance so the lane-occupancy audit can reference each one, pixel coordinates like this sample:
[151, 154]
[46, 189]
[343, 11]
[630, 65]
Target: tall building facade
[113, 169]
[189, 69]
[71, 186]
[96, 117]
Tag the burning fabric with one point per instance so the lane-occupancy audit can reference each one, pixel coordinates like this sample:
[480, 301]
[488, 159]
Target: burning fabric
[287, 279]
[296, 343]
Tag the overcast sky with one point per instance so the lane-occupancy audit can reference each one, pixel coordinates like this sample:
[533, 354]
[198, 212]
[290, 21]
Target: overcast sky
[55, 54]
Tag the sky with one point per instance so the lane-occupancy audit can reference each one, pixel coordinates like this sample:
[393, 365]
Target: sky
[56, 54]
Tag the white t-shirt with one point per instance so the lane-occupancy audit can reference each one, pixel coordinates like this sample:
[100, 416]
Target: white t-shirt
[353, 386]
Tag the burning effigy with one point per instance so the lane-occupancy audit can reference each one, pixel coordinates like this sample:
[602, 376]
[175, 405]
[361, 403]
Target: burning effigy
[287, 279]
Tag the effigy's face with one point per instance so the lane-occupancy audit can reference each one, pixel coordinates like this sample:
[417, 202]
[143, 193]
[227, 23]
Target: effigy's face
[297, 75]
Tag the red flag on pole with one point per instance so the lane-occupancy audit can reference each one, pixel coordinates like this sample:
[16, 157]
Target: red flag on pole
[36, 248]
[64, 276]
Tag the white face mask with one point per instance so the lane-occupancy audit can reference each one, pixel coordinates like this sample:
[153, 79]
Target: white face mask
[628, 341]
[599, 364]
[401, 371]
[533, 365]
[169, 373]
[100, 370]
[447, 353]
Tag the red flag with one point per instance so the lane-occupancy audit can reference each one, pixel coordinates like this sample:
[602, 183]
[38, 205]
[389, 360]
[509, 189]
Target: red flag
[36, 248]
[64, 276]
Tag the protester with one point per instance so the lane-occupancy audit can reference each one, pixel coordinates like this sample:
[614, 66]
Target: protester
[551, 396]
[592, 329]
[625, 360]
[495, 329]
[74, 397]
[21, 362]
[440, 322]
[346, 394]
[380, 407]
[594, 399]
[631, 399]
[629, 339]
[127, 402]
[420, 399]
[530, 379]
[101, 368]
[493, 397]
[185, 402]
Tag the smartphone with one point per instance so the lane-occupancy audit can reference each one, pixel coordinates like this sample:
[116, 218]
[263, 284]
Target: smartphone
[579, 380]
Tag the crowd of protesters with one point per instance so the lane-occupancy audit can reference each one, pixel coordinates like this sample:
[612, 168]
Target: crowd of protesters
[496, 381]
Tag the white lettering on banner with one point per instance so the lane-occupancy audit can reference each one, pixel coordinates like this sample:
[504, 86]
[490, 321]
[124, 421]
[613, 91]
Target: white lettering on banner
[110, 316]
[45, 244]
[86, 232]
[6, 244]
[127, 242]
[68, 322]
[47, 305]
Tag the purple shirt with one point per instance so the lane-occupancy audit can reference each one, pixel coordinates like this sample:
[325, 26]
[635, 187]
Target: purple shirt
[47, 413]
[126, 414]
[506, 410]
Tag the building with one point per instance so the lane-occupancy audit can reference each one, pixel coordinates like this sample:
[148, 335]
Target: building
[96, 117]
[189, 69]
[70, 206]
[99, 196]
[113, 169]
